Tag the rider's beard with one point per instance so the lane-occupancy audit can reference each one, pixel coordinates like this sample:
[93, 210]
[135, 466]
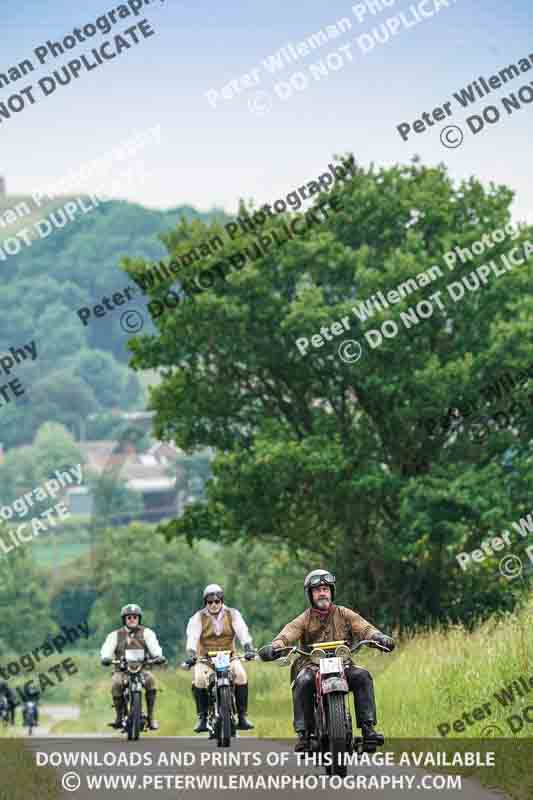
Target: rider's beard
[323, 603]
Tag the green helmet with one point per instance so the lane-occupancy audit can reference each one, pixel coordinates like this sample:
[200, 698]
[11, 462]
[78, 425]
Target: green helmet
[319, 577]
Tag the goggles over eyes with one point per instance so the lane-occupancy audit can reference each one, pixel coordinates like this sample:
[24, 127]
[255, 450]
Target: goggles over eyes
[213, 599]
[322, 579]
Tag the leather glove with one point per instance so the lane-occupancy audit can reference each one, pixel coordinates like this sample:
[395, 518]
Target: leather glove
[384, 641]
[269, 653]
[190, 661]
[106, 662]
[249, 653]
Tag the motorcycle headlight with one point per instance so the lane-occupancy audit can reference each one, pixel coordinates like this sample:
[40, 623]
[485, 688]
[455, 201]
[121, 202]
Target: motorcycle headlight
[317, 654]
[343, 652]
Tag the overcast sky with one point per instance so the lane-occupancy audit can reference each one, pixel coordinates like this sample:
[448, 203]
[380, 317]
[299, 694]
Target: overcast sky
[213, 156]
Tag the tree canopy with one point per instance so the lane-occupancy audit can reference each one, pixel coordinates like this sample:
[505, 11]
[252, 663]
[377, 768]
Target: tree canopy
[333, 458]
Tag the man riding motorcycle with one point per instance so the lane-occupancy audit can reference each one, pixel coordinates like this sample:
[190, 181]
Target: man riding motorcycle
[214, 627]
[32, 695]
[11, 700]
[324, 621]
[135, 636]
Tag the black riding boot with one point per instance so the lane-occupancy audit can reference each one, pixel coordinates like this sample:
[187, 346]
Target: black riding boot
[303, 744]
[361, 683]
[303, 690]
[153, 724]
[118, 702]
[202, 704]
[371, 738]
[302, 699]
[241, 701]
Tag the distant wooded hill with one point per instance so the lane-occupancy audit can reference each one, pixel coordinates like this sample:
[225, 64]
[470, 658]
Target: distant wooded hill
[79, 370]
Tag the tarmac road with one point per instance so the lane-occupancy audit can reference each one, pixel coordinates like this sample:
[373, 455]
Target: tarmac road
[159, 751]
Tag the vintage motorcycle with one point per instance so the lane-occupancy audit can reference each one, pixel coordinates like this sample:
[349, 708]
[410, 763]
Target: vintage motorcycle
[221, 708]
[333, 730]
[132, 666]
[4, 711]
[29, 715]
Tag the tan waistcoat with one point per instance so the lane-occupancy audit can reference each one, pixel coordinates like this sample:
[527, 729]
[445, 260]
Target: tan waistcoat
[126, 640]
[210, 641]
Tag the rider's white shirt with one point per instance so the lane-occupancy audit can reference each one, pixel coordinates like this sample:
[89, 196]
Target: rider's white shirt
[194, 627]
[154, 648]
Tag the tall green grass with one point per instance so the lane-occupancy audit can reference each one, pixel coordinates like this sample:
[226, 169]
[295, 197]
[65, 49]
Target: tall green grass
[431, 678]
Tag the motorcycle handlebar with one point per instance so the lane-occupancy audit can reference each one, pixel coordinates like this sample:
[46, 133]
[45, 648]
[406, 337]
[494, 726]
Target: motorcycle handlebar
[209, 660]
[148, 662]
[371, 643]
[353, 649]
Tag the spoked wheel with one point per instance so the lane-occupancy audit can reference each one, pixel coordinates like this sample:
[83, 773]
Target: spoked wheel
[224, 711]
[134, 717]
[338, 745]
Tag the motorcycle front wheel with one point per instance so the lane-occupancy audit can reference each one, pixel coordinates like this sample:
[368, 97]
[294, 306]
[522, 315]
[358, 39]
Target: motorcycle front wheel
[134, 717]
[224, 713]
[337, 734]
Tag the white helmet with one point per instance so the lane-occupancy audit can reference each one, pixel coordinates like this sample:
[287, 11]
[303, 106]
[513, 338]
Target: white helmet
[213, 588]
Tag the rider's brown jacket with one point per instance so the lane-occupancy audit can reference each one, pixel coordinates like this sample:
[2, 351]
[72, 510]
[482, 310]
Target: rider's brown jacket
[311, 627]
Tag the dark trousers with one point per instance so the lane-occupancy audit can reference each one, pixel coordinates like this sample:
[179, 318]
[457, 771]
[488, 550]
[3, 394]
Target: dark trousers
[303, 694]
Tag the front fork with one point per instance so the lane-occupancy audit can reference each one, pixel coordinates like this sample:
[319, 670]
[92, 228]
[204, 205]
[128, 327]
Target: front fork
[323, 687]
[132, 685]
[213, 717]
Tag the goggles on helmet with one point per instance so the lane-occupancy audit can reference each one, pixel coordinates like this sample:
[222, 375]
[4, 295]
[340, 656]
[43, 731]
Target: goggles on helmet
[316, 580]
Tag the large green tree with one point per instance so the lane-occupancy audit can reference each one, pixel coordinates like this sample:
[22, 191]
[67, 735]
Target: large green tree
[334, 458]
